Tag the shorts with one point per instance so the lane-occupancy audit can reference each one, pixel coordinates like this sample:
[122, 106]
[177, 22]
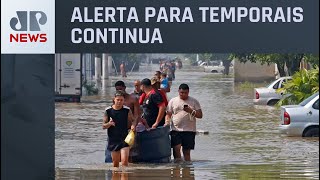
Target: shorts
[185, 138]
[116, 146]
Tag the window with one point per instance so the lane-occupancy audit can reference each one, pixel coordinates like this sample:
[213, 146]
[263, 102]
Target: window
[316, 105]
[306, 101]
[284, 81]
[276, 85]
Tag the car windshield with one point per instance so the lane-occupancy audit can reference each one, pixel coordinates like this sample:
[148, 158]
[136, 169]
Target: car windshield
[214, 63]
[306, 101]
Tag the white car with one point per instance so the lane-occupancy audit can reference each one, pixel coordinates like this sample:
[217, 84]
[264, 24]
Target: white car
[268, 95]
[199, 62]
[301, 120]
[214, 69]
[203, 63]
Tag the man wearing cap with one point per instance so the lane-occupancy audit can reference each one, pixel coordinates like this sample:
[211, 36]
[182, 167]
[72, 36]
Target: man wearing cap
[155, 82]
[153, 105]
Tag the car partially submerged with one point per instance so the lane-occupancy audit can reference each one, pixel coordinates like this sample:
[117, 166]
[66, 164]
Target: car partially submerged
[268, 95]
[214, 69]
[301, 120]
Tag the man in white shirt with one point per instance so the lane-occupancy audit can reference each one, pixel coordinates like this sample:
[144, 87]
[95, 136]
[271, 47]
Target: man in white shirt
[183, 110]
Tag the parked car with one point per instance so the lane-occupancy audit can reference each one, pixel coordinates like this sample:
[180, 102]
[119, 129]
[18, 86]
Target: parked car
[301, 120]
[214, 69]
[203, 63]
[268, 95]
[199, 62]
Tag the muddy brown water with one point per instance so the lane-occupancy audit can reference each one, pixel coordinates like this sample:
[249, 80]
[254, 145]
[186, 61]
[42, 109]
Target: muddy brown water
[243, 140]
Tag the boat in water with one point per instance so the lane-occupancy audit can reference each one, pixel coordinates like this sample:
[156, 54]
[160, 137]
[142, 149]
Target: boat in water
[152, 146]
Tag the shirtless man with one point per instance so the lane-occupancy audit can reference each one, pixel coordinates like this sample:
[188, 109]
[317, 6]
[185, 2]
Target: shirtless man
[123, 69]
[130, 99]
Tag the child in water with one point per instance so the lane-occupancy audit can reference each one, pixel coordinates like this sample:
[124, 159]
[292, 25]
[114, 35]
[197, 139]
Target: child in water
[116, 120]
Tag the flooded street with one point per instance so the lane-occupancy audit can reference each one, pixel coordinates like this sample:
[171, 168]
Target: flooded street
[243, 140]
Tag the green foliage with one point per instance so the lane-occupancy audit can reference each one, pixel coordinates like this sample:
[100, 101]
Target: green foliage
[221, 56]
[243, 57]
[128, 57]
[214, 56]
[304, 83]
[247, 85]
[130, 60]
[192, 58]
[205, 56]
[268, 58]
[312, 59]
[250, 85]
[291, 60]
[90, 88]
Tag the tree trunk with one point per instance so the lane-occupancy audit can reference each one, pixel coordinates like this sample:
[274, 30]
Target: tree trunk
[281, 70]
[293, 64]
[296, 63]
[226, 64]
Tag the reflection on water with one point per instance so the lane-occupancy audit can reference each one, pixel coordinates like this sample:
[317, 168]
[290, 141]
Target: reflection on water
[144, 173]
[243, 140]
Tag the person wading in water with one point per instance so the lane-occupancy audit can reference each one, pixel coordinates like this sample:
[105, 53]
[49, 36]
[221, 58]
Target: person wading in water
[116, 120]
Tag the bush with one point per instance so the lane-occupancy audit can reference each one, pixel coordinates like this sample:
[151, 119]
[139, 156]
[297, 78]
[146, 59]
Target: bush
[304, 83]
[90, 88]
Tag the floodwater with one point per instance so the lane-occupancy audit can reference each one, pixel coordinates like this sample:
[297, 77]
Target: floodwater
[243, 140]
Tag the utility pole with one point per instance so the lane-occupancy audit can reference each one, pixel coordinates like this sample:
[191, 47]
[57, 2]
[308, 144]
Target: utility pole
[105, 69]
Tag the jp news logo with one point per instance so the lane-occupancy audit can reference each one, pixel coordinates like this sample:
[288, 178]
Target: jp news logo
[28, 21]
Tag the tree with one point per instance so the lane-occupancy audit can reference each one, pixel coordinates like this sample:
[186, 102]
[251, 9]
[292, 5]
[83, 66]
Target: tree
[312, 59]
[130, 59]
[293, 62]
[225, 60]
[283, 61]
[192, 58]
[206, 57]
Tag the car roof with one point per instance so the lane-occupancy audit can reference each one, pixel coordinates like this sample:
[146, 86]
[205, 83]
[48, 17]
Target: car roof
[286, 77]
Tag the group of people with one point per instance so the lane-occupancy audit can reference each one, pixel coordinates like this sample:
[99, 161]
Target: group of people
[169, 68]
[148, 107]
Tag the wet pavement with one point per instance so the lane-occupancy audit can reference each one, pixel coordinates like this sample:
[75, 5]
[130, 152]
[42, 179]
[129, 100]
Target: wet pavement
[243, 140]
